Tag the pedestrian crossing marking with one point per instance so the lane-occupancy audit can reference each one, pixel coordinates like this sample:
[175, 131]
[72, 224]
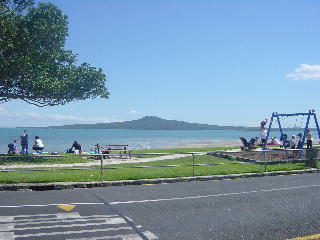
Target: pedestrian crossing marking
[67, 207]
[71, 225]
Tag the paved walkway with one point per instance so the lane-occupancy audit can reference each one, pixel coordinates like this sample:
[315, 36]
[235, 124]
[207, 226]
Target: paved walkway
[97, 162]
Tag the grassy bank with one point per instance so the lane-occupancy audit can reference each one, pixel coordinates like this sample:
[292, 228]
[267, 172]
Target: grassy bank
[31, 159]
[147, 173]
[9, 160]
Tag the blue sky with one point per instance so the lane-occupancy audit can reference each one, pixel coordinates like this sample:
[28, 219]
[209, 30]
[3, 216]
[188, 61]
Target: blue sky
[218, 62]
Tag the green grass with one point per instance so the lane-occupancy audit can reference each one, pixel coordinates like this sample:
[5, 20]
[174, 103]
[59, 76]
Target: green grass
[8, 160]
[146, 173]
[178, 150]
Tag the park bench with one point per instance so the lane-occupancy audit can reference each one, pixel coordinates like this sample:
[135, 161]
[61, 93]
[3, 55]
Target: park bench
[115, 148]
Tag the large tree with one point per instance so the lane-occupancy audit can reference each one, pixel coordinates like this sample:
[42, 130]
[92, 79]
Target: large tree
[34, 65]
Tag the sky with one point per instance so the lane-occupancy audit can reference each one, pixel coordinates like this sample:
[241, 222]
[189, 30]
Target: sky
[224, 62]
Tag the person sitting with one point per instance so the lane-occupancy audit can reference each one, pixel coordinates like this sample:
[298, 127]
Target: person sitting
[293, 142]
[76, 146]
[38, 145]
[13, 147]
[106, 151]
[299, 141]
[275, 141]
[293, 145]
[285, 143]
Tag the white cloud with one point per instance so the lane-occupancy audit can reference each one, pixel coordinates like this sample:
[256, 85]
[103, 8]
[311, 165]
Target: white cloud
[306, 72]
[133, 111]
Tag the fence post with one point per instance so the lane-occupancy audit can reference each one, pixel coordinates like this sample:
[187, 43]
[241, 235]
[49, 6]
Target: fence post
[265, 162]
[101, 163]
[312, 156]
[101, 170]
[192, 164]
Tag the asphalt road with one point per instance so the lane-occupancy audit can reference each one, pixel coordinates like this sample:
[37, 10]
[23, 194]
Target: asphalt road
[278, 207]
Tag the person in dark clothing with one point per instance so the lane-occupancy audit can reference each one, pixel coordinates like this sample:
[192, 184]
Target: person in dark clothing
[76, 146]
[24, 142]
[13, 147]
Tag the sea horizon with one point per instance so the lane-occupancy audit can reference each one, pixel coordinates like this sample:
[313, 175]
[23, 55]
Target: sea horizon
[58, 140]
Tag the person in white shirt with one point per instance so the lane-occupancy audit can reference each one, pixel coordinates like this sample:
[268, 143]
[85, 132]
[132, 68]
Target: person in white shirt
[293, 142]
[38, 145]
[263, 136]
[275, 141]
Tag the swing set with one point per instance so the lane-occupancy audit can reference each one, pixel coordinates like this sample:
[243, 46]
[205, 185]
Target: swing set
[276, 116]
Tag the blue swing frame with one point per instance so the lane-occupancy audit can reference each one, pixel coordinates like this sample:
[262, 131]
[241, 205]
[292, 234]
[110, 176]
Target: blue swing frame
[276, 115]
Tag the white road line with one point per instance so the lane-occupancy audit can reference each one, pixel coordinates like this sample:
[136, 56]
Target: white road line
[213, 195]
[72, 232]
[58, 220]
[6, 227]
[48, 216]
[163, 199]
[105, 222]
[52, 204]
[6, 219]
[131, 237]
[68, 215]
[6, 236]
[124, 237]
[150, 235]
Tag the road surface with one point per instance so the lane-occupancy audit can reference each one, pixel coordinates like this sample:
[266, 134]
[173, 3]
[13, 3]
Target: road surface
[277, 207]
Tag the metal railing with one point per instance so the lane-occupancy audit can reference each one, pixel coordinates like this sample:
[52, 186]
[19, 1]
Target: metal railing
[260, 157]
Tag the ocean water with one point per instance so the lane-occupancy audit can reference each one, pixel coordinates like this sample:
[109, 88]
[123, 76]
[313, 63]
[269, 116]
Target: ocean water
[57, 140]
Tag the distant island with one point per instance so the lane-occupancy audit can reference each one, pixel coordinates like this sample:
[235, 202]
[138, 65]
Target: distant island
[152, 123]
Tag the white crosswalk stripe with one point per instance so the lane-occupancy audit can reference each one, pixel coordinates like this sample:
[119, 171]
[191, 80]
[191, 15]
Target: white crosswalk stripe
[75, 225]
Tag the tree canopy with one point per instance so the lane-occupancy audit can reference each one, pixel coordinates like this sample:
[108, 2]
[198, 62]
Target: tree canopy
[34, 65]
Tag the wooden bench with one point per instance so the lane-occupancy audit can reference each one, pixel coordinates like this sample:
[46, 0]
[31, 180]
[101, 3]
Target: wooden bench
[120, 148]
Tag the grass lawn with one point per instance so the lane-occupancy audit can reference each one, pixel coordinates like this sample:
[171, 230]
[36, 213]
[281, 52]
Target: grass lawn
[178, 150]
[8, 160]
[146, 173]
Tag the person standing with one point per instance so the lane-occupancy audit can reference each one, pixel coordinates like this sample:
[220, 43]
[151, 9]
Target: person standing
[24, 142]
[309, 139]
[263, 137]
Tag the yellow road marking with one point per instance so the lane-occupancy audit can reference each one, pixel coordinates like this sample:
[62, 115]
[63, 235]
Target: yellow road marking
[67, 207]
[315, 236]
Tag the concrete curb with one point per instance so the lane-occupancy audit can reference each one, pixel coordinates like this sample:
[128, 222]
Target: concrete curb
[61, 186]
